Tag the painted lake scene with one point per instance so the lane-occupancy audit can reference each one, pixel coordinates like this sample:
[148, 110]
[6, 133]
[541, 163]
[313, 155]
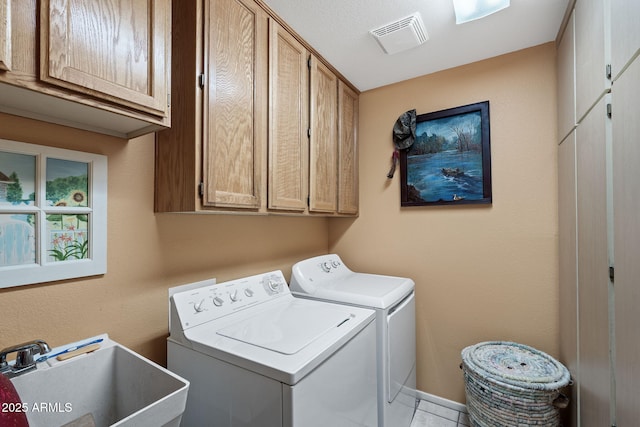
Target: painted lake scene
[445, 163]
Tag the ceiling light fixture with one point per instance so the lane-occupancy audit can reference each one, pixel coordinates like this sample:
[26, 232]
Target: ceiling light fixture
[470, 10]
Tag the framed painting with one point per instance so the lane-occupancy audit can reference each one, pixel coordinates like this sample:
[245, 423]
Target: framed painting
[449, 162]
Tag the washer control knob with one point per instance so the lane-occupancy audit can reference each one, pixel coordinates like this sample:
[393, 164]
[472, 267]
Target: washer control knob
[274, 285]
[198, 306]
[325, 266]
[233, 296]
[217, 301]
[248, 292]
[335, 263]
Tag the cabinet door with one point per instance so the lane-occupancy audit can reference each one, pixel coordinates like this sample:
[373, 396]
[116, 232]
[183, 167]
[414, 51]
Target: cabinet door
[593, 269]
[626, 201]
[288, 120]
[591, 60]
[347, 149]
[235, 103]
[116, 51]
[566, 81]
[625, 33]
[323, 164]
[568, 273]
[5, 35]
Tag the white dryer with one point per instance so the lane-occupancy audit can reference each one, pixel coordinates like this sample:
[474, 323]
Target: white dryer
[326, 278]
[256, 356]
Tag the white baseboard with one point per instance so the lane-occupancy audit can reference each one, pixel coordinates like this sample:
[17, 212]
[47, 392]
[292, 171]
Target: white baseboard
[441, 401]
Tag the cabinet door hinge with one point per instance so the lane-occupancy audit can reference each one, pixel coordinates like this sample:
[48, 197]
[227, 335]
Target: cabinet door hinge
[609, 110]
[201, 81]
[308, 201]
[608, 71]
[308, 132]
[309, 62]
[201, 189]
[611, 273]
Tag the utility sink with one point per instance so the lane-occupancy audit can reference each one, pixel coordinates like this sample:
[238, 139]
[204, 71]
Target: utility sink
[112, 386]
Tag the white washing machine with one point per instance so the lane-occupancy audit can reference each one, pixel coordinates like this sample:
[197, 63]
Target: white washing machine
[326, 278]
[258, 357]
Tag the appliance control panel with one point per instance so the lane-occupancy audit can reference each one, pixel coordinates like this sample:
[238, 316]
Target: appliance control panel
[318, 270]
[201, 305]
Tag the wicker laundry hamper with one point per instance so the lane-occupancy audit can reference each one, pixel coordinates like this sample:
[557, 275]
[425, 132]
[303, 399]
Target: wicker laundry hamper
[510, 384]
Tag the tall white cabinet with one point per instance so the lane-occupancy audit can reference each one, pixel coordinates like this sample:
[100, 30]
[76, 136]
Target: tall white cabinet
[599, 205]
[626, 237]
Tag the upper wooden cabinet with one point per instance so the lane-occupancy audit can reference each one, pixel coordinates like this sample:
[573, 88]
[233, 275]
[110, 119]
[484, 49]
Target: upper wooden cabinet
[5, 35]
[100, 65]
[288, 121]
[110, 50]
[256, 122]
[234, 103]
[347, 150]
[213, 157]
[323, 161]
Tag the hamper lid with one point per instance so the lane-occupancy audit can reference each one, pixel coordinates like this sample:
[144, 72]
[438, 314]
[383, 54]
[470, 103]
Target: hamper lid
[516, 364]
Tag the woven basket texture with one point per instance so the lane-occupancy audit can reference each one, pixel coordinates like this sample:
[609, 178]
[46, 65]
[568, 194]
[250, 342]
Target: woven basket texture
[512, 385]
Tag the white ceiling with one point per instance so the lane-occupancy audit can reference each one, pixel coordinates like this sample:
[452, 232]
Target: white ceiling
[339, 31]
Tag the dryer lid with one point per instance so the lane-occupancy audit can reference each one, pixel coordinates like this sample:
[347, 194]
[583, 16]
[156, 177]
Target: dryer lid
[363, 289]
[288, 328]
[327, 278]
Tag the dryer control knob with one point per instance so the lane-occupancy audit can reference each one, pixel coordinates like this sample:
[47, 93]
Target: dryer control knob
[199, 306]
[248, 292]
[234, 296]
[217, 301]
[325, 266]
[335, 263]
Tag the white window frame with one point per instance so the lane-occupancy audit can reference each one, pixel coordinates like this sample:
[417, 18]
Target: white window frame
[46, 271]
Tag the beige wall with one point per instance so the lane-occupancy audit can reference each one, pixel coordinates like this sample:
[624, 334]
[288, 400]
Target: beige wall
[483, 272]
[147, 253]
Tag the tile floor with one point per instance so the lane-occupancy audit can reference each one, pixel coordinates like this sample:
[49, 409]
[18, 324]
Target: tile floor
[431, 414]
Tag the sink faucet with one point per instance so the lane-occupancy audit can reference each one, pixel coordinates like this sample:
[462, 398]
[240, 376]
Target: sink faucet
[24, 359]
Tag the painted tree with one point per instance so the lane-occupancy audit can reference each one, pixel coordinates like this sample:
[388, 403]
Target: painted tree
[14, 190]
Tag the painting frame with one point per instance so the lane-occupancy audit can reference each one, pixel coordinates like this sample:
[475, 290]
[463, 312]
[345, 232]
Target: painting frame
[454, 170]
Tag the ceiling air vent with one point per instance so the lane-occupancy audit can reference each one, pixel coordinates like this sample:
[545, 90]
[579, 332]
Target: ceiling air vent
[403, 34]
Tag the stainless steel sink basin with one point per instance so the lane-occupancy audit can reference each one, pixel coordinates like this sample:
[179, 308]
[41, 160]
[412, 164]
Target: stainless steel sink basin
[113, 386]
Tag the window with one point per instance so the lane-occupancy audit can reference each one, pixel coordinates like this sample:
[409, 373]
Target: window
[53, 214]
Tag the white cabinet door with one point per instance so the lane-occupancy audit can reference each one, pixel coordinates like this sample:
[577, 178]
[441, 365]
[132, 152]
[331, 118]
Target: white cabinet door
[626, 196]
[593, 268]
[566, 81]
[625, 33]
[591, 80]
[568, 272]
